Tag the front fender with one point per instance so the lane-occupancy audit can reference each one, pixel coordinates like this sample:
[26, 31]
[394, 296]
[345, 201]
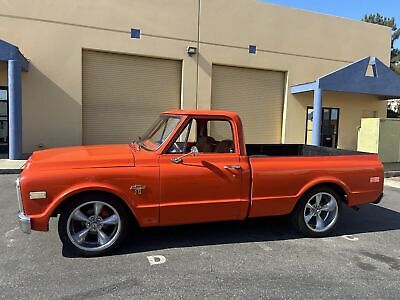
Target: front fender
[40, 221]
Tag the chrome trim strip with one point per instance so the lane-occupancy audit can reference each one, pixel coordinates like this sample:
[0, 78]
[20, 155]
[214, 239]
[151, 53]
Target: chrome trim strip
[19, 196]
[237, 167]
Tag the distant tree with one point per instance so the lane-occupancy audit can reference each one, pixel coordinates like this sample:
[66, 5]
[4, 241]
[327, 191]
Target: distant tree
[393, 108]
[389, 22]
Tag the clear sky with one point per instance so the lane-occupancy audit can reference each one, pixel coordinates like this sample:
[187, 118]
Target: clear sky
[353, 9]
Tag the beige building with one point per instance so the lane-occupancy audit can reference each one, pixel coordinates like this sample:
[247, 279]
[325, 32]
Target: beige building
[93, 79]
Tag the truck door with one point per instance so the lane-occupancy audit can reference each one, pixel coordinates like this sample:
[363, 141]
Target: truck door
[205, 187]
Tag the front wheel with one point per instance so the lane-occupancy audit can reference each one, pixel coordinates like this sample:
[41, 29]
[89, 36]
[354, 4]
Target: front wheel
[317, 212]
[92, 225]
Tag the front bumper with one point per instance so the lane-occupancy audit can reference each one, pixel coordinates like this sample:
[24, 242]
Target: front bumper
[24, 223]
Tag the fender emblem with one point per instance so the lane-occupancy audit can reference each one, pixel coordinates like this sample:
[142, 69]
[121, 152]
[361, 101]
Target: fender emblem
[137, 188]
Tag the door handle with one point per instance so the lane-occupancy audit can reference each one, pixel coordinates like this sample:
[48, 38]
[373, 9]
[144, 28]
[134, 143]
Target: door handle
[236, 167]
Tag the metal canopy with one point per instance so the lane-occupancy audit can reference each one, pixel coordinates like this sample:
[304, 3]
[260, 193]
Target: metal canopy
[366, 76]
[11, 52]
[381, 82]
[16, 63]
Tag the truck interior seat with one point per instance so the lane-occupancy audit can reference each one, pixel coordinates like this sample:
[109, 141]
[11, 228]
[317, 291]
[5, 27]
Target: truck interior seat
[226, 146]
[205, 144]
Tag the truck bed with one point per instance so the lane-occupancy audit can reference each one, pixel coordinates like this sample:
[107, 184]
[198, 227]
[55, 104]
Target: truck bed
[280, 174]
[262, 150]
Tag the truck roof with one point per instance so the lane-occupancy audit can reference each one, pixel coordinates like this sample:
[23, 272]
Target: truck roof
[219, 113]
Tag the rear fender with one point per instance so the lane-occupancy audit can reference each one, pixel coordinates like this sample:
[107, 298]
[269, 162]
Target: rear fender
[321, 181]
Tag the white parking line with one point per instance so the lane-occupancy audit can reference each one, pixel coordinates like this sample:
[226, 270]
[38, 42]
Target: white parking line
[156, 259]
[263, 246]
[350, 238]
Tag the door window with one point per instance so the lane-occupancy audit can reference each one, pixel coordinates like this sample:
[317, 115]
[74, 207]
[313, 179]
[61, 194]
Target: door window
[208, 135]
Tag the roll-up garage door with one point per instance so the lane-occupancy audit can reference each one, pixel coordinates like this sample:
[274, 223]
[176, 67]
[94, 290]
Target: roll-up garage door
[256, 95]
[124, 94]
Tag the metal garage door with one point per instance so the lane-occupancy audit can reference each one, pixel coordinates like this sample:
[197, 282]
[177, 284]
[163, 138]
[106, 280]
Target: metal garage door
[123, 94]
[257, 95]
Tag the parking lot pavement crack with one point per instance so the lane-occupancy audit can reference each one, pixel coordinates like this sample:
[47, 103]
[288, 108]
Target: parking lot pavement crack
[264, 246]
[392, 262]
[112, 289]
[365, 266]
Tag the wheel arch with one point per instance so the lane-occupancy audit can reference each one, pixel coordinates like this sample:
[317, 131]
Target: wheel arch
[71, 196]
[335, 184]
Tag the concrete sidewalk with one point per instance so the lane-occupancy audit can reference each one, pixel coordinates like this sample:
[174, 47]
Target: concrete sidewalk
[11, 166]
[392, 170]
[393, 182]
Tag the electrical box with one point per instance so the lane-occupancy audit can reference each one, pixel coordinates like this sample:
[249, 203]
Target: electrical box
[380, 136]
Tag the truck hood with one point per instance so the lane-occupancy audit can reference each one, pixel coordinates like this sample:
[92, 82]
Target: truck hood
[101, 156]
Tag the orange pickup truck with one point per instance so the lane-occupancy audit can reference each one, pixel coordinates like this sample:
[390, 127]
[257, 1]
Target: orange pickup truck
[190, 167]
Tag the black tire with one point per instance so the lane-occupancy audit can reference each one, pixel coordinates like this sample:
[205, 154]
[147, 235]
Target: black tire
[68, 224]
[301, 212]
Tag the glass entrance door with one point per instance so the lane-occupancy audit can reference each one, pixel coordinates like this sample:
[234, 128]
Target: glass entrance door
[3, 120]
[329, 126]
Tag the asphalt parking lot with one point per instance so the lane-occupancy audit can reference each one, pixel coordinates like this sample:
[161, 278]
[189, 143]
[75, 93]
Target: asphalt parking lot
[258, 259]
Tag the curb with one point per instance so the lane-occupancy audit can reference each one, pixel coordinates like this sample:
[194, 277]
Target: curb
[10, 171]
[389, 174]
[392, 183]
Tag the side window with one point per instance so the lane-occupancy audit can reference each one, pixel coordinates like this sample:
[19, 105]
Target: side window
[209, 136]
[220, 132]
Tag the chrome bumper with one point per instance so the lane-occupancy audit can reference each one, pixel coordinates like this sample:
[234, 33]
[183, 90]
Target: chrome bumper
[24, 223]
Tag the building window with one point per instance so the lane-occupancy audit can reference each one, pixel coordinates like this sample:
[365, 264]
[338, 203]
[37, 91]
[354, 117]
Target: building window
[329, 126]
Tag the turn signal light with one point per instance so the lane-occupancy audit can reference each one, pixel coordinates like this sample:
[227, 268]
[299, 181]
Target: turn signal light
[37, 195]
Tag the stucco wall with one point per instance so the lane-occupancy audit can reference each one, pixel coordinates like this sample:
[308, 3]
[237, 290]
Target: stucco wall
[52, 34]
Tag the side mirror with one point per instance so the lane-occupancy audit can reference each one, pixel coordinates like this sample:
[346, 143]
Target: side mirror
[193, 151]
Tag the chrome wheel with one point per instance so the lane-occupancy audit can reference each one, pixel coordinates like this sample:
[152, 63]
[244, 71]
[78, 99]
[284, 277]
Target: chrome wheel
[94, 226]
[321, 212]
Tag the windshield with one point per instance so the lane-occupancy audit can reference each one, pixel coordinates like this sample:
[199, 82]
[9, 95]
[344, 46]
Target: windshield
[159, 132]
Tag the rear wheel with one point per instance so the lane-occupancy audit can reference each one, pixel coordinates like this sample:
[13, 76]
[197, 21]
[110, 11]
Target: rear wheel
[93, 224]
[318, 211]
